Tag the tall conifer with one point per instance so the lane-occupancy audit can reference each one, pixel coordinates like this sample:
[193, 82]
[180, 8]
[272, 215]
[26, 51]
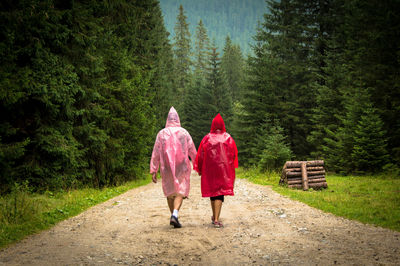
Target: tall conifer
[182, 55]
[202, 44]
[232, 64]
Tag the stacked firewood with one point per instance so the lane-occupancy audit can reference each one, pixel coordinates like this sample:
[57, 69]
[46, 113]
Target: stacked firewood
[304, 174]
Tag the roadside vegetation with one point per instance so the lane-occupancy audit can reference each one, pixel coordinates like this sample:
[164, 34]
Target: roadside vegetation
[23, 213]
[368, 199]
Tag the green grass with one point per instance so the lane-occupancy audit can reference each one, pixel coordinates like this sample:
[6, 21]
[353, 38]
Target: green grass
[368, 199]
[23, 213]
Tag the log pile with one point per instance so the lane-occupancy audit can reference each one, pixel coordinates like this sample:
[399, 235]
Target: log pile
[304, 174]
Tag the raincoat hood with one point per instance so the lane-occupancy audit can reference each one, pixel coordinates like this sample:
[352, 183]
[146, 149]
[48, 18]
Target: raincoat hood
[173, 118]
[218, 123]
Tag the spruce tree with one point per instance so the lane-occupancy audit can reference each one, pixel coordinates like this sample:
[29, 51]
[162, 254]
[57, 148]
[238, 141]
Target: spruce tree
[329, 63]
[275, 150]
[153, 52]
[369, 151]
[202, 44]
[217, 84]
[182, 57]
[193, 110]
[232, 64]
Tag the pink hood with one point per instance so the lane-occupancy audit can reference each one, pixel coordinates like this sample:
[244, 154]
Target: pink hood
[173, 118]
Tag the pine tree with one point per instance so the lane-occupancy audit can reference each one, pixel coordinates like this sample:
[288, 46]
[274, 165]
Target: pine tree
[182, 55]
[153, 52]
[232, 65]
[216, 83]
[276, 151]
[193, 109]
[259, 99]
[202, 44]
[329, 62]
[369, 151]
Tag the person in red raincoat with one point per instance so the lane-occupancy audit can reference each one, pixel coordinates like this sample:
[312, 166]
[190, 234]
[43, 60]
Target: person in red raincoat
[216, 160]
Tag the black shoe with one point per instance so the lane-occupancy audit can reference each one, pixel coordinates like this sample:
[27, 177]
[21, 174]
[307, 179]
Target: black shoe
[174, 221]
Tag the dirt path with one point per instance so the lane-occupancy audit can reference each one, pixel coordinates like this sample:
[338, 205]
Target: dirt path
[261, 227]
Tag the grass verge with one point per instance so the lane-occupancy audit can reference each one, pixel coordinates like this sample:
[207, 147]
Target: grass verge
[368, 199]
[23, 213]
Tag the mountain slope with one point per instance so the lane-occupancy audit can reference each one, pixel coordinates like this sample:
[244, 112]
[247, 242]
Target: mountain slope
[236, 18]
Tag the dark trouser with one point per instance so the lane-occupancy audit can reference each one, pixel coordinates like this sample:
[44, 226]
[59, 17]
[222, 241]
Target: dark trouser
[221, 197]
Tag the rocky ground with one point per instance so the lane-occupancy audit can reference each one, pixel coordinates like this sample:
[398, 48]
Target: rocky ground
[261, 228]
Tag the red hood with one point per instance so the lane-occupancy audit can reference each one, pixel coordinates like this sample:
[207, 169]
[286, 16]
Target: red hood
[218, 123]
[173, 119]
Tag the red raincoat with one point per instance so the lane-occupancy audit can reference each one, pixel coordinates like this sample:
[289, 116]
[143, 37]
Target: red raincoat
[216, 160]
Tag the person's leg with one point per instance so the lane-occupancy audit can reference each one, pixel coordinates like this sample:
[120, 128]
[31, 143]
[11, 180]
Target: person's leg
[213, 210]
[171, 204]
[178, 202]
[217, 209]
[174, 205]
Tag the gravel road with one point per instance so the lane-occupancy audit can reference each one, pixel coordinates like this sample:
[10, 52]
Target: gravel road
[261, 228]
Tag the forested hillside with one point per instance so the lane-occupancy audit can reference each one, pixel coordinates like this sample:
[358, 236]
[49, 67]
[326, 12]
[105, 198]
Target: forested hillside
[83, 87]
[325, 77]
[86, 85]
[236, 18]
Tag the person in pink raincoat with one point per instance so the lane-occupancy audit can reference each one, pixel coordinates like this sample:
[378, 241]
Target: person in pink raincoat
[171, 153]
[216, 161]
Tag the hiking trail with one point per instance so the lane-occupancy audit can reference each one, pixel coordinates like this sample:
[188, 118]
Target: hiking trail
[261, 228]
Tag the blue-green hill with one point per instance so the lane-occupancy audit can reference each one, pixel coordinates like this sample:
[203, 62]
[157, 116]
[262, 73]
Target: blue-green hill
[236, 18]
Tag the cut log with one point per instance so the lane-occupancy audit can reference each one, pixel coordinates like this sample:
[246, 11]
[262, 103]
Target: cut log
[293, 174]
[291, 178]
[304, 176]
[319, 180]
[298, 169]
[311, 185]
[313, 173]
[310, 173]
[315, 168]
[294, 182]
[287, 170]
[296, 178]
[316, 177]
[318, 185]
[297, 164]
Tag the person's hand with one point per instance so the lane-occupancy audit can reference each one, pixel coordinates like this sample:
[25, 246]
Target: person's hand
[154, 177]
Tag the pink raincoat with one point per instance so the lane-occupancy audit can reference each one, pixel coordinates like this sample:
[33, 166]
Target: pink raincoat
[216, 161]
[171, 150]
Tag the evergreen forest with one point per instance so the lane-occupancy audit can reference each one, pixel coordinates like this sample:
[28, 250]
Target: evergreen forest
[236, 18]
[86, 85]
